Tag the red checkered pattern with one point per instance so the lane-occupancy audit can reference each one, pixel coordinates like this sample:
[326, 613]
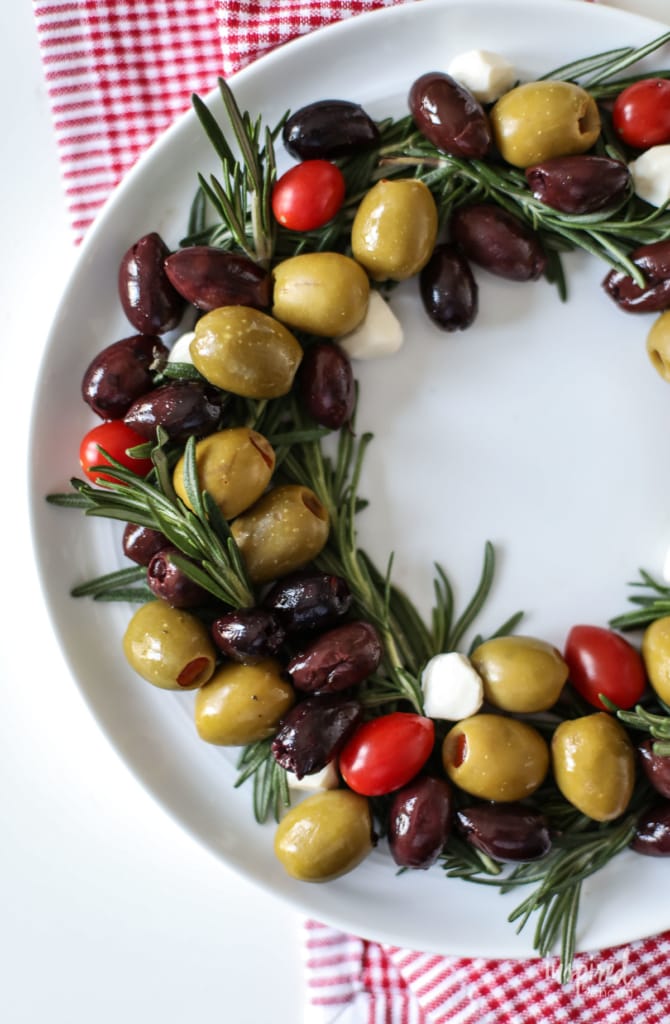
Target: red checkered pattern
[118, 73]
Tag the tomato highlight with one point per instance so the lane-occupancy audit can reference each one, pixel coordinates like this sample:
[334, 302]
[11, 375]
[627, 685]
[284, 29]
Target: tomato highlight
[602, 662]
[115, 438]
[641, 113]
[308, 195]
[386, 753]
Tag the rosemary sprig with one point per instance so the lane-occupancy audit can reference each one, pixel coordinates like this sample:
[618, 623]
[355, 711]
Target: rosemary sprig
[658, 726]
[653, 604]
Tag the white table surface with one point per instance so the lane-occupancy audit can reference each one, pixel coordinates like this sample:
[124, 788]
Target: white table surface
[109, 912]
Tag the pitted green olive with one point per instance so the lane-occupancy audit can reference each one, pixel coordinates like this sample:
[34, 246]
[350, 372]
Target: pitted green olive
[594, 765]
[246, 352]
[243, 703]
[495, 758]
[168, 647]
[395, 228]
[234, 465]
[324, 293]
[283, 531]
[520, 673]
[658, 345]
[656, 656]
[541, 120]
[324, 836]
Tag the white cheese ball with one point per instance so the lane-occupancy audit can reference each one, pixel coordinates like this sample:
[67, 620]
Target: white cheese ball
[651, 175]
[327, 778]
[452, 687]
[181, 350]
[379, 334]
[485, 74]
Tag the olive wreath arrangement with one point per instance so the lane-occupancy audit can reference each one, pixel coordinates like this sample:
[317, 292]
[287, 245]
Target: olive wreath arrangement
[249, 580]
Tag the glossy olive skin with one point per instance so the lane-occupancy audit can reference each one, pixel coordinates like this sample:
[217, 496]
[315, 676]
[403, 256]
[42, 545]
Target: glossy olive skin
[495, 758]
[183, 408]
[506, 832]
[449, 116]
[328, 129]
[655, 766]
[234, 466]
[282, 532]
[394, 230]
[325, 836]
[140, 543]
[326, 385]
[340, 658]
[658, 345]
[121, 373]
[242, 703]
[149, 301]
[579, 184]
[169, 582]
[323, 293]
[248, 635]
[208, 278]
[495, 239]
[520, 673]
[246, 352]
[652, 834]
[654, 262]
[168, 647]
[309, 601]
[538, 121]
[594, 765]
[420, 819]
[656, 656]
[313, 732]
[448, 289]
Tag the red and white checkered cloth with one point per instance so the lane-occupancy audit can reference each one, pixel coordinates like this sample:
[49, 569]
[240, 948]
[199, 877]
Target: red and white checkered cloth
[118, 73]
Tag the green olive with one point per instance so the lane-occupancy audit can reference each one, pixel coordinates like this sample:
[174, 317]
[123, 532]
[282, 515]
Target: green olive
[520, 673]
[540, 120]
[324, 293]
[658, 345]
[495, 758]
[656, 656]
[394, 230]
[169, 647]
[282, 532]
[594, 765]
[234, 465]
[246, 352]
[324, 836]
[243, 703]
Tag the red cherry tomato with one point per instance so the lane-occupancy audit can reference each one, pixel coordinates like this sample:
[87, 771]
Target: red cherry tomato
[115, 437]
[309, 195]
[386, 753]
[641, 113]
[601, 661]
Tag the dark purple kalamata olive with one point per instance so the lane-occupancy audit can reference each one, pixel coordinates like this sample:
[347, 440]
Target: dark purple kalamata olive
[248, 635]
[654, 262]
[149, 301]
[181, 407]
[169, 582]
[420, 822]
[328, 129]
[656, 767]
[449, 116]
[506, 832]
[121, 373]
[309, 601]
[314, 731]
[209, 278]
[579, 184]
[326, 385]
[141, 543]
[495, 239]
[448, 289]
[340, 658]
[652, 834]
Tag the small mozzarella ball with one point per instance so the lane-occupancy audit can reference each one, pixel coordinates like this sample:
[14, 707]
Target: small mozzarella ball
[452, 687]
[651, 175]
[379, 334]
[181, 350]
[327, 778]
[485, 74]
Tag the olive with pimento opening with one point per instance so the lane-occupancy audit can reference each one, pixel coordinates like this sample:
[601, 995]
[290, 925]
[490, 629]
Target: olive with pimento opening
[169, 647]
[494, 757]
[234, 466]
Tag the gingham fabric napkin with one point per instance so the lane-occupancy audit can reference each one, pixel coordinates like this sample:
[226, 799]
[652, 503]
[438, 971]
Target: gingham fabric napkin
[118, 73]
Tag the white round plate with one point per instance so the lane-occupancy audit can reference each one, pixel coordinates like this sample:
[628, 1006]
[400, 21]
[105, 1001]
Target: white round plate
[543, 428]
